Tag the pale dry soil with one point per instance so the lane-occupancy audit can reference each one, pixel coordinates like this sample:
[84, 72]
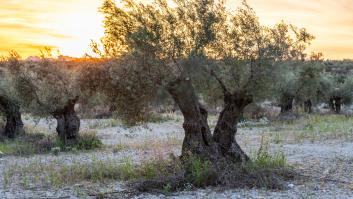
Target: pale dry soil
[328, 164]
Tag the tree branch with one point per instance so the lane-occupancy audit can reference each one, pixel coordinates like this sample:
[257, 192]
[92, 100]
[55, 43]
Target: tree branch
[220, 82]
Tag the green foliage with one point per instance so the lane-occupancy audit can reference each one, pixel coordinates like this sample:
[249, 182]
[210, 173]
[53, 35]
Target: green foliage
[23, 146]
[88, 141]
[339, 87]
[327, 127]
[38, 143]
[300, 80]
[265, 160]
[309, 81]
[43, 87]
[198, 40]
[199, 172]
[313, 128]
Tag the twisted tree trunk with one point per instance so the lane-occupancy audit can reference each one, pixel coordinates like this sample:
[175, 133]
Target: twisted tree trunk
[68, 123]
[14, 124]
[198, 138]
[226, 128]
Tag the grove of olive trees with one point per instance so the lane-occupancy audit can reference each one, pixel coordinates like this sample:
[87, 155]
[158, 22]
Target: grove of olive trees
[48, 88]
[195, 56]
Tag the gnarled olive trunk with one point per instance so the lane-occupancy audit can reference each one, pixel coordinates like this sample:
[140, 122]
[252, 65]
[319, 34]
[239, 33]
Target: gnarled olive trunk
[286, 103]
[14, 124]
[198, 138]
[308, 106]
[335, 104]
[226, 128]
[68, 123]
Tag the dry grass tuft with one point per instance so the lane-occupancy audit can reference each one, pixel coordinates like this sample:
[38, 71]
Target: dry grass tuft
[167, 143]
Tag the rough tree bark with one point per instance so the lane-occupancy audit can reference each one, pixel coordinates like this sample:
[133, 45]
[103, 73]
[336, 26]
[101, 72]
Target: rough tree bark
[14, 124]
[198, 138]
[308, 106]
[68, 123]
[226, 128]
[335, 104]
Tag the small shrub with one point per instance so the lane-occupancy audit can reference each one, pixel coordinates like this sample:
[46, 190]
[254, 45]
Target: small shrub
[265, 160]
[39, 143]
[6, 147]
[276, 138]
[59, 144]
[55, 150]
[26, 145]
[44, 145]
[25, 149]
[127, 170]
[200, 172]
[88, 141]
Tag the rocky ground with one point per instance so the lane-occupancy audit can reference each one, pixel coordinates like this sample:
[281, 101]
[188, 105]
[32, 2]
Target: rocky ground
[327, 165]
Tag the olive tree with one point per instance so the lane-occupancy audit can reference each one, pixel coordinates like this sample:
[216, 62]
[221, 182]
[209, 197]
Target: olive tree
[165, 46]
[337, 91]
[48, 88]
[9, 106]
[309, 84]
[299, 81]
[286, 88]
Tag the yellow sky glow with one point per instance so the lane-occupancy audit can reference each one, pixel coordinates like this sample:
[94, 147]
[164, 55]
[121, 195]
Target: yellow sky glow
[68, 25]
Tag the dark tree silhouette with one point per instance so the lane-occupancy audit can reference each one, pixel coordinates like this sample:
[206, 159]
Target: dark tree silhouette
[49, 88]
[9, 107]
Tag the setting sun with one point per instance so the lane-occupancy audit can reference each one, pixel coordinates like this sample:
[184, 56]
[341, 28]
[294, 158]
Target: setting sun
[69, 25]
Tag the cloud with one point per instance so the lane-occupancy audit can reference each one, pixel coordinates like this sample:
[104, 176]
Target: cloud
[71, 24]
[31, 30]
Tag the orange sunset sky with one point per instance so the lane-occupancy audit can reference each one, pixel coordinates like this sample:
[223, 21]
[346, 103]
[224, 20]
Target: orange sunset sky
[69, 25]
